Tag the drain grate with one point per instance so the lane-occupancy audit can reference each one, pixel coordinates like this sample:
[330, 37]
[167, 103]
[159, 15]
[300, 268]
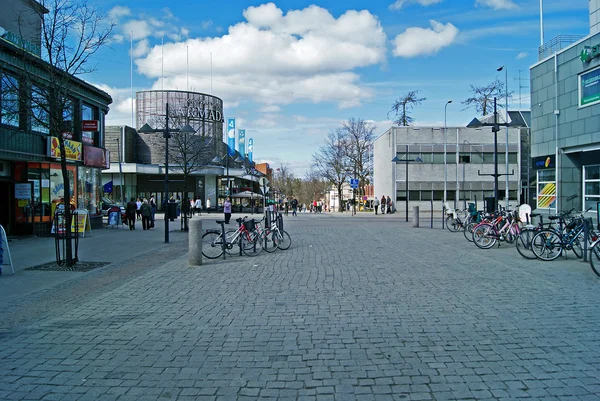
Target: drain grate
[79, 267]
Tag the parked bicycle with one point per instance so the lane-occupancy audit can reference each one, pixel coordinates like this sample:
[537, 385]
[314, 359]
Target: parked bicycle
[549, 243]
[215, 242]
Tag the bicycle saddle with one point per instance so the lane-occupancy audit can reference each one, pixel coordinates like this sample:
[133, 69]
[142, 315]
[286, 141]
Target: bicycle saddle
[534, 215]
[220, 221]
[239, 219]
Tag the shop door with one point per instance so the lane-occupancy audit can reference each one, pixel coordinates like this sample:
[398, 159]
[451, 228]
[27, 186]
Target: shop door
[6, 196]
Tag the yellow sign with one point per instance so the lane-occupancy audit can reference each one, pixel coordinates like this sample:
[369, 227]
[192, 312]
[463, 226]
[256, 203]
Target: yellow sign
[80, 217]
[72, 149]
[547, 196]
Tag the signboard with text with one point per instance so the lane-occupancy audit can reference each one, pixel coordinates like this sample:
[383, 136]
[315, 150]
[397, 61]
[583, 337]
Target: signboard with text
[589, 87]
[89, 125]
[72, 149]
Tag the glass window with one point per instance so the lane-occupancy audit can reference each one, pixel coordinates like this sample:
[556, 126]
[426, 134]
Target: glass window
[400, 195]
[512, 158]
[451, 158]
[426, 195]
[87, 112]
[546, 189]
[438, 158]
[591, 186]
[465, 158]
[476, 157]
[40, 120]
[9, 101]
[488, 158]
[57, 188]
[414, 195]
[68, 123]
[438, 195]
[427, 158]
[89, 190]
[501, 159]
[450, 195]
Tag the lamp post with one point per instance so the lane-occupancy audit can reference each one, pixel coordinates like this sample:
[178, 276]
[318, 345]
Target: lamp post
[445, 158]
[506, 120]
[396, 160]
[186, 129]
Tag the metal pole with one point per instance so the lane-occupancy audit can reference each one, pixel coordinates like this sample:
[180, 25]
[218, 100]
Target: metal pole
[445, 159]
[457, 186]
[406, 183]
[120, 168]
[506, 121]
[166, 135]
[496, 128]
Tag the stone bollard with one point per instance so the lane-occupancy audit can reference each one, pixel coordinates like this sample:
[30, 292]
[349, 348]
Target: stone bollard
[195, 242]
[415, 216]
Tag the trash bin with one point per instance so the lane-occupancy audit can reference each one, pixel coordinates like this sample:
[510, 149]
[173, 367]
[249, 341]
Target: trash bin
[490, 205]
[172, 211]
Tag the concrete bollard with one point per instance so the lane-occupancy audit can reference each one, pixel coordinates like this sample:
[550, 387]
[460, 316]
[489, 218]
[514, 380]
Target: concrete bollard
[195, 242]
[415, 216]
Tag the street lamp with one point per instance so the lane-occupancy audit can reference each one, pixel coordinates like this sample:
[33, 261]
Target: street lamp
[186, 129]
[445, 159]
[396, 160]
[476, 123]
[506, 119]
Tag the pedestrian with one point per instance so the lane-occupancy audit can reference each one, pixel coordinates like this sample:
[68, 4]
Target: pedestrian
[130, 213]
[389, 206]
[314, 206]
[146, 212]
[178, 200]
[294, 206]
[383, 203]
[152, 203]
[172, 200]
[198, 206]
[138, 211]
[376, 205]
[227, 210]
[208, 205]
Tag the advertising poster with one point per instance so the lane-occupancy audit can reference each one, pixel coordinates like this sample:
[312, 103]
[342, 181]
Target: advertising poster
[231, 136]
[242, 142]
[250, 148]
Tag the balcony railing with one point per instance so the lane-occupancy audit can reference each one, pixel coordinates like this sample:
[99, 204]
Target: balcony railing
[556, 44]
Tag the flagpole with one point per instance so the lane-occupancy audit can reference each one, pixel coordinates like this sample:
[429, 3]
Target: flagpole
[131, 74]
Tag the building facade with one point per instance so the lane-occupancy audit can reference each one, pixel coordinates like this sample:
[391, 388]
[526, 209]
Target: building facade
[31, 180]
[565, 123]
[462, 158]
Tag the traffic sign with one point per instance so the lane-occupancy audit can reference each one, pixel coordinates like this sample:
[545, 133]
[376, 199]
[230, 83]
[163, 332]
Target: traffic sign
[264, 189]
[354, 183]
[263, 181]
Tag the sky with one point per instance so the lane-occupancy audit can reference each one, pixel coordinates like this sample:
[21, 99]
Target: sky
[292, 71]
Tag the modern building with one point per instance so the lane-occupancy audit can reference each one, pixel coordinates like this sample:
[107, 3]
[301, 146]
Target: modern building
[565, 120]
[137, 167]
[457, 159]
[31, 179]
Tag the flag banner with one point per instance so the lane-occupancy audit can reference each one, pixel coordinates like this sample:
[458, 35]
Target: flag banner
[250, 148]
[231, 136]
[242, 142]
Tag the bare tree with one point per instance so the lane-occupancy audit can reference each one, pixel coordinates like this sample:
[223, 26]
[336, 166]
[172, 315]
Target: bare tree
[314, 186]
[72, 32]
[402, 107]
[283, 180]
[331, 161]
[482, 97]
[360, 135]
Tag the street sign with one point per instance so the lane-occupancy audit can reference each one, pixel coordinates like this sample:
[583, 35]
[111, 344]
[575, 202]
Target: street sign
[263, 181]
[354, 183]
[264, 189]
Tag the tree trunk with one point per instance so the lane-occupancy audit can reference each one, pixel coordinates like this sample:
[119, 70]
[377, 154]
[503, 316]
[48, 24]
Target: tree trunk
[340, 205]
[67, 202]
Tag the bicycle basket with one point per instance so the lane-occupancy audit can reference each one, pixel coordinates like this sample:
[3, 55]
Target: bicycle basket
[250, 225]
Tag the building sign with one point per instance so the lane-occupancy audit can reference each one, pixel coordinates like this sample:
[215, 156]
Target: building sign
[23, 191]
[198, 109]
[94, 157]
[589, 87]
[589, 53]
[544, 162]
[72, 149]
[89, 125]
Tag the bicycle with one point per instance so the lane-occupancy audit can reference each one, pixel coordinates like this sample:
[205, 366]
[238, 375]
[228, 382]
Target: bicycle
[550, 243]
[523, 241]
[486, 235]
[595, 256]
[215, 243]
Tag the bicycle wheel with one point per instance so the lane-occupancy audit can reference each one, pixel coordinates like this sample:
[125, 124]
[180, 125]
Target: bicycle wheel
[524, 244]
[468, 231]
[577, 246]
[547, 245]
[212, 245]
[251, 243]
[232, 246]
[267, 241]
[484, 236]
[283, 240]
[595, 258]
[452, 224]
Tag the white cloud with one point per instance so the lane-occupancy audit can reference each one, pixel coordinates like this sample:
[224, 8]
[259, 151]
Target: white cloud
[497, 4]
[141, 48]
[270, 109]
[118, 12]
[206, 24]
[165, 26]
[522, 55]
[398, 4]
[276, 58]
[120, 109]
[419, 41]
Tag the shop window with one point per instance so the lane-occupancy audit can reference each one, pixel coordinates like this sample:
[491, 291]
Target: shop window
[39, 176]
[9, 101]
[40, 120]
[57, 189]
[546, 189]
[89, 196]
[591, 186]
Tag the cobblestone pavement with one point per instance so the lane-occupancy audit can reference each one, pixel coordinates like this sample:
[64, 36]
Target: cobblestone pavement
[363, 308]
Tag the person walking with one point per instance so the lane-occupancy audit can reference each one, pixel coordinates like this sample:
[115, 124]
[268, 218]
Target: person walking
[130, 213]
[294, 206]
[152, 204]
[198, 206]
[138, 211]
[388, 209]
[146, 212]
[376, 205]
[383, 203]
[227, 210]
[208, 205]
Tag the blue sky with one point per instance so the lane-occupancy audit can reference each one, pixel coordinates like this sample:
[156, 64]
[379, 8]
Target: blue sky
[292, 71]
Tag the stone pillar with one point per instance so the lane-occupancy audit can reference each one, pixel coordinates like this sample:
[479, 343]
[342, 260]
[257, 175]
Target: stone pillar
[415, 216]
[195, 242]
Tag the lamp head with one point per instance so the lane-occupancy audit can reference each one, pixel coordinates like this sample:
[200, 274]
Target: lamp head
[449, 101]
[500, 68]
